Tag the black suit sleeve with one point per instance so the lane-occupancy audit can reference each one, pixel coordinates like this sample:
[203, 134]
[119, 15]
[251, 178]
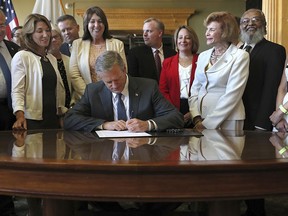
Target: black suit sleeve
[12, 47]
[272, 77]
[132, 62]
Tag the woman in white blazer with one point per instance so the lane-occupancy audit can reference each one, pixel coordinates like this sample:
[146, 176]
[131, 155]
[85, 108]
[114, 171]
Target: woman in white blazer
[96, 39]
[220, 77]
[38, 95]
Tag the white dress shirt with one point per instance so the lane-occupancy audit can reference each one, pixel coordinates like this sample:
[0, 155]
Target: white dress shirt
[184, 80]
[125, 98]
[161, 53]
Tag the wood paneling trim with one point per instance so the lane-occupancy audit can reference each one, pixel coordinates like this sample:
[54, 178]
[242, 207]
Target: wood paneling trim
[131, 19]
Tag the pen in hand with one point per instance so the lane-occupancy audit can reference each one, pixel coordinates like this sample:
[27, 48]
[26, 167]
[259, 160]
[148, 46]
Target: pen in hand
[132, 123]
[131, 114]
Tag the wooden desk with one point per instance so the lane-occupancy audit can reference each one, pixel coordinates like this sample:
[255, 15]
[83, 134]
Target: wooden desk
[222, 166]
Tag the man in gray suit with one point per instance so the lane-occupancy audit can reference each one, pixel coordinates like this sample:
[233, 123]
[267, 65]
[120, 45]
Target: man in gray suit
[145, 107]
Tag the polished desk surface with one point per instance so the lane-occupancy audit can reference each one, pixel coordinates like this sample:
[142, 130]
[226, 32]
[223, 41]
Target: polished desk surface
[79, 165]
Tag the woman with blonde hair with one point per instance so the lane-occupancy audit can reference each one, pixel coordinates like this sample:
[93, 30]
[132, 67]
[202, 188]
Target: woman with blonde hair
[178, 71]
[220, 78]
[63, 64]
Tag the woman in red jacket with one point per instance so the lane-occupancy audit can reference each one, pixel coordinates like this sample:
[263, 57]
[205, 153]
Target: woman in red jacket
[178, 71]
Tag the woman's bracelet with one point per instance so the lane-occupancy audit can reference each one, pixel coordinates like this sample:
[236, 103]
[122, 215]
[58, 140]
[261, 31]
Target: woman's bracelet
[196, 120]
[282, 108]
[284, 149]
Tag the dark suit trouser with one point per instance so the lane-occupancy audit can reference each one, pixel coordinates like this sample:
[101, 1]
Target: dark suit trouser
[6, 206]
[7, 118]
[255, 207]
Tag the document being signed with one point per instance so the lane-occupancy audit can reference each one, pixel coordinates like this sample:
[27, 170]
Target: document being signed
[112, 134]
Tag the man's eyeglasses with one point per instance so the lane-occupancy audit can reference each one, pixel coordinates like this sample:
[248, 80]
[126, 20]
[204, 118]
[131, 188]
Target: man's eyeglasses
[246, 21]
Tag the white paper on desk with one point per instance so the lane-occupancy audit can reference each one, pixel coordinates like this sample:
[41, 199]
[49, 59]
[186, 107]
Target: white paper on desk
[113, 134]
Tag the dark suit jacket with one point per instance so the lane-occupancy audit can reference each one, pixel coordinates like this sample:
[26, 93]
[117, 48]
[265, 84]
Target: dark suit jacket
[7, 118]
[12, 47]
[145, 101]
[267, 62]
[64, 49]
[141, 61]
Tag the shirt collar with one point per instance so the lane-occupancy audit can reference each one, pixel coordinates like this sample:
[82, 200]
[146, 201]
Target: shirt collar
[125, 91]
[160, 49]
[252, 45]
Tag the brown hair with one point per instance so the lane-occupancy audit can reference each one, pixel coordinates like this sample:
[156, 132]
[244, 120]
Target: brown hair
[66, 17]
[229, 26]
[87, 17]
[29, 28]
[192, 34]
[160, 24]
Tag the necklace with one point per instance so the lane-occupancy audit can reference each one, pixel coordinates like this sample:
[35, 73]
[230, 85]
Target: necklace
[215, 57]
[218, 52]
[99, 46]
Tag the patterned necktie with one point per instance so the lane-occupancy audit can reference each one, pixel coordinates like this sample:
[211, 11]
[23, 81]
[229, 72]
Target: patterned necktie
[248, 48]
[7, 76]
[157, 62]
[121, 108]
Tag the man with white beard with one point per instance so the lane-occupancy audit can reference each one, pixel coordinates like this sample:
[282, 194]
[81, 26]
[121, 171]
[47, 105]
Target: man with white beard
[267, 60]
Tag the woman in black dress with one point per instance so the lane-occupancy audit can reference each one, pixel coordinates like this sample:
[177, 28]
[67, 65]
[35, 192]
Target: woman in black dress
[38, 93]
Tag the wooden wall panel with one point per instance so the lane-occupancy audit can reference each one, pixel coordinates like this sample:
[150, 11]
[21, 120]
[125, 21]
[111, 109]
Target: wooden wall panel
[131, 19]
